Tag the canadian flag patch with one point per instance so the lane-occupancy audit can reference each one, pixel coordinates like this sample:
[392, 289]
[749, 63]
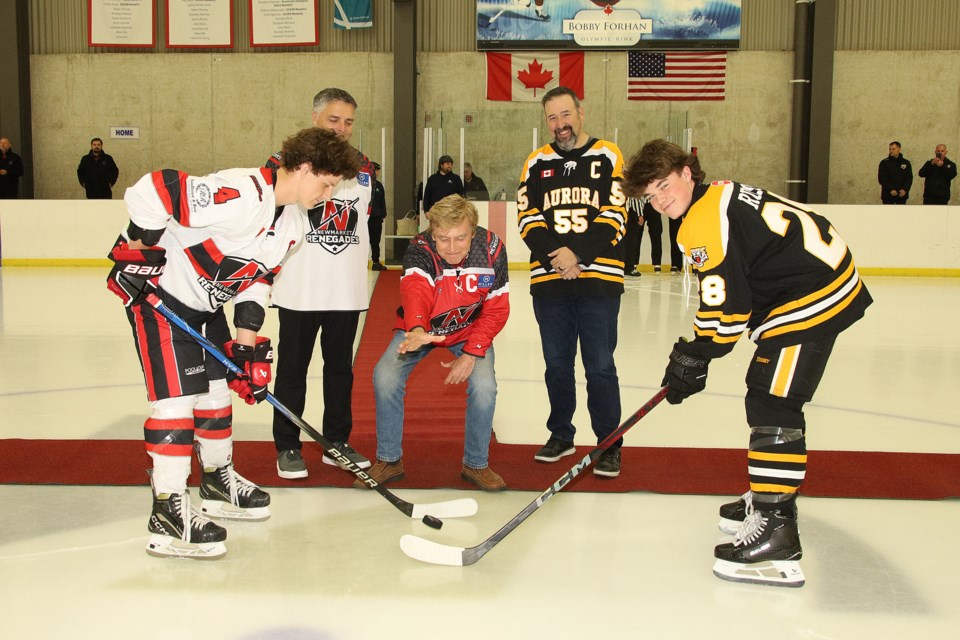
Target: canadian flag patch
[546, 173]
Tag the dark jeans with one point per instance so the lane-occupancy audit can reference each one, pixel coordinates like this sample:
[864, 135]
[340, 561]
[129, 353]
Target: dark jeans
[298, 334]
[375, 227]
[593, 322]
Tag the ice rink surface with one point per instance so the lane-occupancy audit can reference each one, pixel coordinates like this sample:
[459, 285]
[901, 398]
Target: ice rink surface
[327, 565]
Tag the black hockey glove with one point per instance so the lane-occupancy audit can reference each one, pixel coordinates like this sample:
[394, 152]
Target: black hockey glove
[135, 272]
[255, 361]
[686, 373]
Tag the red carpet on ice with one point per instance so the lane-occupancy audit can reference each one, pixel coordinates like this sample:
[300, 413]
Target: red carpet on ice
[433, 448]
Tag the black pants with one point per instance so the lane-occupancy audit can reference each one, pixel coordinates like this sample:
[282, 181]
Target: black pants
[375, 227]
[298, 334]
[676, 256]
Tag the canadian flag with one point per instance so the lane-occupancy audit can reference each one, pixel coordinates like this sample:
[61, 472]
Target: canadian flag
[527, 76]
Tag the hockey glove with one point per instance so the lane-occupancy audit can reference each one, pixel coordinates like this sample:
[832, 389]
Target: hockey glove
[686, 373]
[135, 272]
[255, 361]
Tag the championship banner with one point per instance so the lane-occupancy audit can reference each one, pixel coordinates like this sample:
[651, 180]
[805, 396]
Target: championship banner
[199, 24]
[608, 24]
[121, 24]
[291, 23]
[525, 77]
[352, 14]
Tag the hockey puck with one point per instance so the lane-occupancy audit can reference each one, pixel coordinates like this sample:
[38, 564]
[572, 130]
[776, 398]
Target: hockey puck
[430, 521]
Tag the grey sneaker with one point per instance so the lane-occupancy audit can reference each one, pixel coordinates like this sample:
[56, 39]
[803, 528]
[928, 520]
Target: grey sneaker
[351, 455]
[290, 465]
[608, 465]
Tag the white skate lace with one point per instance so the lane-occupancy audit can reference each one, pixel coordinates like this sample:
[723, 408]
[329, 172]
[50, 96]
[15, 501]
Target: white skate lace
[239, 486]
[753, 526]
[192, 520]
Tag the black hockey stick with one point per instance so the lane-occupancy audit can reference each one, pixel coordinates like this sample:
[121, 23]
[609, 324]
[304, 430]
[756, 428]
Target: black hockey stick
[450, 509]
[428, 551]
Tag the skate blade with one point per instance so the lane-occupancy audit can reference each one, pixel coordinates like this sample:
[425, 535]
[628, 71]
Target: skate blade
[774, 573]
[161, 546]
[226, 511]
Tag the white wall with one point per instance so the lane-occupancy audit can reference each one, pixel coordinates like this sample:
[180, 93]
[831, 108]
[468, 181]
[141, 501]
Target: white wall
[910, 240]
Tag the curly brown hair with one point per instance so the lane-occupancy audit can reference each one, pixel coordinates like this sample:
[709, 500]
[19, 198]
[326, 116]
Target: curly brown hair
[655, 161]
[323, 151]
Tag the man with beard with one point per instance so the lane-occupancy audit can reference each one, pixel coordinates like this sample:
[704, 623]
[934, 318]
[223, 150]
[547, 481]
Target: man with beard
[442, 184]
[323, 289]
[97, 172]
[572, 215]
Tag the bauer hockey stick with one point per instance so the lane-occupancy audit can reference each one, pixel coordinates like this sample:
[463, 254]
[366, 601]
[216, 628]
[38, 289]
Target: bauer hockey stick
[428, 512]
[435, 553]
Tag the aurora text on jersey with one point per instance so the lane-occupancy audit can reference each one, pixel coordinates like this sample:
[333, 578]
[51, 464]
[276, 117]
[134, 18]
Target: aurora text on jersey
[573, 199]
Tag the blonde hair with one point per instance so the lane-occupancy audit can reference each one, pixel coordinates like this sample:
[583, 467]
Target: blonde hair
[451, 211]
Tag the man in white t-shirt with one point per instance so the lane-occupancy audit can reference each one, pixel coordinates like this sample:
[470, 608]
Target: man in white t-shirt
[323, 289]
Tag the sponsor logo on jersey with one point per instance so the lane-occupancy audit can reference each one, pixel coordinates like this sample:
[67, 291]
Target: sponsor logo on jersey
[363, 179]
[699, 256]
[334, 226]
[199, 195]
[485, 281]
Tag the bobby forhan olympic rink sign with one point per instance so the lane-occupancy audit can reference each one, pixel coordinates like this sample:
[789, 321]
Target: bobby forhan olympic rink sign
[609, 24]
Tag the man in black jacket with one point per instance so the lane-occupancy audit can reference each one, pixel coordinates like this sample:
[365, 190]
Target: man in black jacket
[895, 176]
[11, 168]
[937, 173]
[97, 172]
[378, 211]
[442, 184]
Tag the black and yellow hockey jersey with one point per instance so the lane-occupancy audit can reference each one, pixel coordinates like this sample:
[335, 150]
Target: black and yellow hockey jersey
[768, 266]
[573, 199]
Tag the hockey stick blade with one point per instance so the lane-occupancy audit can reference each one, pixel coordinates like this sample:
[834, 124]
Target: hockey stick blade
[494, 18]
[435, 553]
[459, 508]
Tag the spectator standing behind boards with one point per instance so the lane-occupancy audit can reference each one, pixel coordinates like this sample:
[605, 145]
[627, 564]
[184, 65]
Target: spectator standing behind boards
[323, 290]
[937, 173]
[378, 212]
[454, 293]
[11, 168]
[571, 216]
[895, 176]
[441, 184]
[97, 172]
[473, 184]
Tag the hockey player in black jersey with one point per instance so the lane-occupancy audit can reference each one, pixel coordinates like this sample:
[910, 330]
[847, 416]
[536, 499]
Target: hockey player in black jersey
[779, 272]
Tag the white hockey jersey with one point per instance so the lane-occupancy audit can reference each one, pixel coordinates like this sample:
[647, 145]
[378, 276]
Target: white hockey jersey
[224, 237]
[328, 271]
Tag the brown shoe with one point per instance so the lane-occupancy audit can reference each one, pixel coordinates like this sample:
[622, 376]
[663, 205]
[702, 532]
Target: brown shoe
[486, 478]
[382, 472]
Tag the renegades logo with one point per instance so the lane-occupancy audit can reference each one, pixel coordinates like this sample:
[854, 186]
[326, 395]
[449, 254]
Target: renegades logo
[453, 320]
[334, 226]
[233, 275]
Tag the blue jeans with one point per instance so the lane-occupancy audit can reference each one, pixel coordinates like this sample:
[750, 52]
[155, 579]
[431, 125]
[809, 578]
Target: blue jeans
[593, 322]
[390, 384]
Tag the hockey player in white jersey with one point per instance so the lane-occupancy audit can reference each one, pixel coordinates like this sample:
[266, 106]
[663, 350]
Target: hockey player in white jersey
[197, 243]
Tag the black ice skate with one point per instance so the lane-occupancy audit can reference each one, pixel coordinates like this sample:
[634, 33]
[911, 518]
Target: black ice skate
[765, 550]
[732, 514]
[171, 538]
[228, 495]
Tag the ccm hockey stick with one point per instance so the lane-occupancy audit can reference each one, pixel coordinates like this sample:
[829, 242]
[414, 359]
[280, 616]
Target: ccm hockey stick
[428, 551]
[428, 512]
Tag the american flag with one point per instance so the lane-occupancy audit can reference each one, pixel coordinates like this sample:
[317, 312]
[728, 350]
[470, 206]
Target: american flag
[681, 75]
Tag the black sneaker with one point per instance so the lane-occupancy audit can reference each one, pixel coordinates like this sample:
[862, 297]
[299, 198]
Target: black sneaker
[656, 268]
[554, 450]
[634, 273]
[351, 455]
[378, 266]
[608, 464]
[674, 270]
[766, 550]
